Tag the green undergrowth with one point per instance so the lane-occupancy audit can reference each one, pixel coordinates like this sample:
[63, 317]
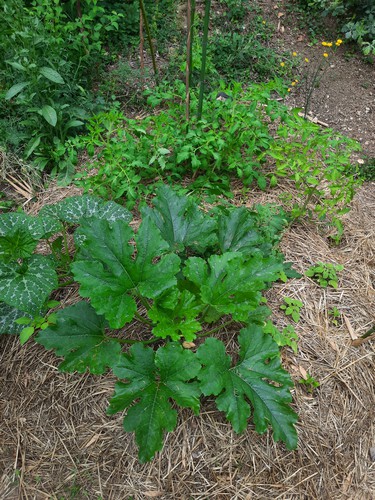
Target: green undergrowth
[251, 136]
[181, 280]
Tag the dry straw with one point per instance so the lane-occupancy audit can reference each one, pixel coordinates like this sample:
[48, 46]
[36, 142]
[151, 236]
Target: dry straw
[57, 443]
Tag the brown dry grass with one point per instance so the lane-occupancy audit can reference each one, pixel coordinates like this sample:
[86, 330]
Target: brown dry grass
[57, 443]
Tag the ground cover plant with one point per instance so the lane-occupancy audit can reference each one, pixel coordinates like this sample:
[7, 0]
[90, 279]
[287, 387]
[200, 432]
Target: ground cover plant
[185, 275]
[251, 136]
[356, 19]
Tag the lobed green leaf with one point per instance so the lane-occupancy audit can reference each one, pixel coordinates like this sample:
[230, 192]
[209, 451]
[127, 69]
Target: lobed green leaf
[153, 379]
[79, 336]
[257, 379]
[111, 278]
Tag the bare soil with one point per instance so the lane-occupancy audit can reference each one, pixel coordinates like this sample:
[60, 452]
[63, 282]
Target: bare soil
[56, 442]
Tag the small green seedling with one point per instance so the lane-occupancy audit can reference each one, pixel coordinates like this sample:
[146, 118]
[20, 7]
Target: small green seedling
[309, 382]
[334, 315]
[325, 273]
[286, 337]
[36, 323]
[292, 307]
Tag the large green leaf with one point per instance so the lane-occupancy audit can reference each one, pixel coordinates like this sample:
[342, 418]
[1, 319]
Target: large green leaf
[19, 244]
[78, 209]
[152, 380]
[38, 228]
[180, 221]
[237, 231]
[258, 378]
[177, 319]
[8, 316]
[26, 286]
[109, 275]
[49, 114]
[231, 283]
[15, 89]
[52, 75]
[79, 336]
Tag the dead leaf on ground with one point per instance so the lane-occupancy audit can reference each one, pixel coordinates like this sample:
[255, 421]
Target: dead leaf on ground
[303, 373]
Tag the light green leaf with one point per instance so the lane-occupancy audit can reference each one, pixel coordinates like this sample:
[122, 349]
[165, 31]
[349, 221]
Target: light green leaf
[79, 336]
[49, 114]
[16, 65]
[111, 278]
[25, 334]
[179, 319]
[16, 89]
[26, 287]
[73, 124]
[52, 75]
[153, 379]
[258, 381]
[180, 221]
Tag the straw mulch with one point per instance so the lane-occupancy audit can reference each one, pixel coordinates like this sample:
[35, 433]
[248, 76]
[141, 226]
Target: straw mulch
[57, 443]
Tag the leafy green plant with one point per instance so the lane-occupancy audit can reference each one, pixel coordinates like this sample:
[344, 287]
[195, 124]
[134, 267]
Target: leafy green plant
[46, 70]
[185, 274]
[317, 162]
[36, 323]
[335, 316]
[309, 382]
[325, 273]
[228, 140]
[292, 308]
[286, 337]
[356, 18]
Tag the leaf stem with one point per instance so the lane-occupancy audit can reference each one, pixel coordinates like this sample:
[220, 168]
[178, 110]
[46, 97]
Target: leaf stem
[142, 319]
[216, 329]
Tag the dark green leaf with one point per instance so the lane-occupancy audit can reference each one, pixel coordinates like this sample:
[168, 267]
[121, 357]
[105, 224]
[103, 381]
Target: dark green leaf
[8, 316]
[109, 275]
[19, 244]
[180, 221]
[237, 232]
[258, 379]
[38, 228]
[154, 379]
[79, 336]
[230, 283]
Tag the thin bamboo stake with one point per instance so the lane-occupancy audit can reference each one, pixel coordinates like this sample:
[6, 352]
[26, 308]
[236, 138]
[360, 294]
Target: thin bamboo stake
[188, 60]
[144, 15]
[141, 45]
[204, 56]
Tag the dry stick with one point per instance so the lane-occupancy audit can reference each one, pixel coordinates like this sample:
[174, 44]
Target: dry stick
[144, 15]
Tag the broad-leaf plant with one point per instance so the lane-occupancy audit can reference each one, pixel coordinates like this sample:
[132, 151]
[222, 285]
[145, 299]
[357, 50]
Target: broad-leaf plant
[184, 275]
